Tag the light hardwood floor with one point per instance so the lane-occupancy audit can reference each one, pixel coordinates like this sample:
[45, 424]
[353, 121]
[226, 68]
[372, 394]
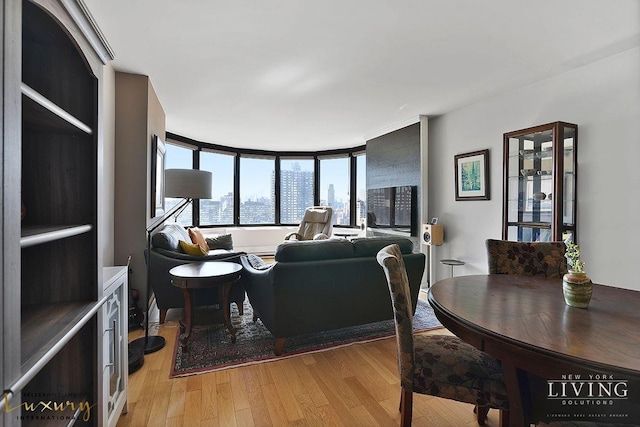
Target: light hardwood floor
[350, 386]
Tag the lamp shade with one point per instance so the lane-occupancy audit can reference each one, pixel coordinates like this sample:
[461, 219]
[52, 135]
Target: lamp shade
[188, 183]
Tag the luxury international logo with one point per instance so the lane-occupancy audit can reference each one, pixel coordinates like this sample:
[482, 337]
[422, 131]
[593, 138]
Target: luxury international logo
[51, 407]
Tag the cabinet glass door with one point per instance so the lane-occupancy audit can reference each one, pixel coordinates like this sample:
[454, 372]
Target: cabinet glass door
[569, 182]
[113, 344]
[539, 180]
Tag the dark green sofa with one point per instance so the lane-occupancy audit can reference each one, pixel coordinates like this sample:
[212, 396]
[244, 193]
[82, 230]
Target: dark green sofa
[328, 284]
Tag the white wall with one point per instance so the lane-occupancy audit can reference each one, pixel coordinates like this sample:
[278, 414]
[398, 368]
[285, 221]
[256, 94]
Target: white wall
[603, 99]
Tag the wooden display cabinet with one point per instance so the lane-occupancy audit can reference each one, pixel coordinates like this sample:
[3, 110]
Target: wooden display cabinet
[50, 262]
[540, 171]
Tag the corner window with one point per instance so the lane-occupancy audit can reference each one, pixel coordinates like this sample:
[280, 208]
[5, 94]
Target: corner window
[179, 157]
[219, 209]
[335, 181]
[361, 189]
[296, 189]
[257, 190]
[269, 188]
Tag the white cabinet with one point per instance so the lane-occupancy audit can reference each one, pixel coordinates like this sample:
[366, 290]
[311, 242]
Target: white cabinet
[114, 351]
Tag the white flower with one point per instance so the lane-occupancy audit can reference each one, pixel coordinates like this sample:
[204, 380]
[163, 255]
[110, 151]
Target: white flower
[572, 255]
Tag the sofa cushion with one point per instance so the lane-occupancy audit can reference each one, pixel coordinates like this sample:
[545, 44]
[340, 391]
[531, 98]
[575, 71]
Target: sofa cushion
[192, 248]
[370, 246]
[313, 250]
[196, 237]
[220, 241]
[169, 237]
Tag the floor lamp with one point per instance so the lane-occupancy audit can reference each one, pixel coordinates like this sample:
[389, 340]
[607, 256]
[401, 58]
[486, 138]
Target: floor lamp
[187, 184]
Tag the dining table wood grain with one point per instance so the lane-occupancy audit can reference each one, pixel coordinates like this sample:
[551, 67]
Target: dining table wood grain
[524, 322]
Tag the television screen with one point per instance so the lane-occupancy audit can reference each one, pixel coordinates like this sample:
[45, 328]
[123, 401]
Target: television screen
[379, 207]
[392, 208]
[402, 206]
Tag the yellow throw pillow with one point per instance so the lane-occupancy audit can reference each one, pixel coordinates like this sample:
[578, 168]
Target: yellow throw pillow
[192, 248]
[198, 238]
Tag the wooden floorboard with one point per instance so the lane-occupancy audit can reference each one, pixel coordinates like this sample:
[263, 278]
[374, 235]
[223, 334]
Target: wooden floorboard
[355, 385]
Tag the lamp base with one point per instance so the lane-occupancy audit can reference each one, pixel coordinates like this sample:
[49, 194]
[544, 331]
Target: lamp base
[148, 344]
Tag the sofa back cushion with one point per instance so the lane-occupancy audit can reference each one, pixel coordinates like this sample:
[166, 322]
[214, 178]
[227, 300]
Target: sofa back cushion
[220, 241]
[313, 250]
[169, 237]
[370, 246]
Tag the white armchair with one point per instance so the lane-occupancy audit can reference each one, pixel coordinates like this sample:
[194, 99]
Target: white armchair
[315, 225]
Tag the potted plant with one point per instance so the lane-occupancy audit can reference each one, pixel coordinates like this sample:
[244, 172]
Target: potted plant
[576, 286]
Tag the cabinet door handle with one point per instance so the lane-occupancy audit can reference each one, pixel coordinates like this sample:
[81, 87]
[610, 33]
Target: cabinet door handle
[114, 344]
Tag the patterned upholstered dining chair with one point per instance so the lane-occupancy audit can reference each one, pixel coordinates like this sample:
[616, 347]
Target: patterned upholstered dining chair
[438, 365]
[526, 258]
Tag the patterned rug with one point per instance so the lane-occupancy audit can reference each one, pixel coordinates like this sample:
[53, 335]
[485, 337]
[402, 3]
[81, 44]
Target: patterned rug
[210, 349]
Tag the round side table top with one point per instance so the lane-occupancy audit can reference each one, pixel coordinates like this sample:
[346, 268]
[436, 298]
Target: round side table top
[346, 234]
[205, 269]
[451, 262]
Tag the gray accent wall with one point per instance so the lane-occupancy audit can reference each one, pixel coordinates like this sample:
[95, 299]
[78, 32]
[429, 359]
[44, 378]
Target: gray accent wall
[139, 115]
[393, 160]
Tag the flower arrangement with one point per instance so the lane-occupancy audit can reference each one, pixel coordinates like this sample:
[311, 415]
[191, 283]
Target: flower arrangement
[572, 255]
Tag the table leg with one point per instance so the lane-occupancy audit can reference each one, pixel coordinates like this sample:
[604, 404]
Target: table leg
[225, 290]
[512, 382]
[188, 316]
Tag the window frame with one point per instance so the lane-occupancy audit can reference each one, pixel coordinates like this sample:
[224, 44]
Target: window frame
[198, 147]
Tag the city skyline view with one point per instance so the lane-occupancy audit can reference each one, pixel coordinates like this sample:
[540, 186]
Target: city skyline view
[257, 187]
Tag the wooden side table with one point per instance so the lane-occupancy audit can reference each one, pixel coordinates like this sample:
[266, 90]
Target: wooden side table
[203, 275]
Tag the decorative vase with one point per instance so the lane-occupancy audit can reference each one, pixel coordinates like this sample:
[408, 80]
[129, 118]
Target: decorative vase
[577, 289]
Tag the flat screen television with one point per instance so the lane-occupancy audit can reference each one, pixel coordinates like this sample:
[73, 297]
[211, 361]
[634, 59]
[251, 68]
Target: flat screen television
[393, 208]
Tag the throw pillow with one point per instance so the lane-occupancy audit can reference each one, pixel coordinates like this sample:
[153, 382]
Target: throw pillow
[192, 248]
[198, 238]
[221, 241]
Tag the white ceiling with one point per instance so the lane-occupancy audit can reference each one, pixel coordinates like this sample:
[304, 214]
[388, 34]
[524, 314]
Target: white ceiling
[309, 74]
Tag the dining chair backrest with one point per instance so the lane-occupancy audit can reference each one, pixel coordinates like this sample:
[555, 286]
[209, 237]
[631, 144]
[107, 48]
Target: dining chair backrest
[390, 258]
[439, 365]
[526, 258]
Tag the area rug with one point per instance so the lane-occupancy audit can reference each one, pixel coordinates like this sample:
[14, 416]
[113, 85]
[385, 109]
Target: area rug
[210, 349]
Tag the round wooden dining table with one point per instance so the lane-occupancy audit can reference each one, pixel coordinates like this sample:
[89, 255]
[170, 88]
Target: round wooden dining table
[586, 361]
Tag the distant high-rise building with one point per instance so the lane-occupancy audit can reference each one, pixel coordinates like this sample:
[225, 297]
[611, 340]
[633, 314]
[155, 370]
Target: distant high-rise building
[296, 193]
[257, 211]
[331, 196]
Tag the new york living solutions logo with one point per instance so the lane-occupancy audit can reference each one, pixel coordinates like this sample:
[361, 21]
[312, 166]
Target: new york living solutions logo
[587, 396]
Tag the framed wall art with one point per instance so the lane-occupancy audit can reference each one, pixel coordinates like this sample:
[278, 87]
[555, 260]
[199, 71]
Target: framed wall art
[472, 175]
[157, 176]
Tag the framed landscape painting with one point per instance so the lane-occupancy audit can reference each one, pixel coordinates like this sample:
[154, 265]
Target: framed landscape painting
[472, 175]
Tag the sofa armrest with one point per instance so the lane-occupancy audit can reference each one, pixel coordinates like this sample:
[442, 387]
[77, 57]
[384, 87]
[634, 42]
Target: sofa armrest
[259, 286]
